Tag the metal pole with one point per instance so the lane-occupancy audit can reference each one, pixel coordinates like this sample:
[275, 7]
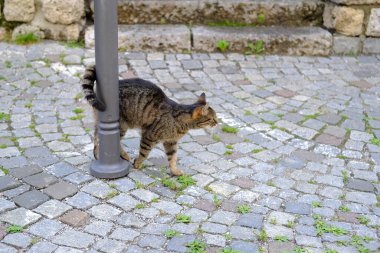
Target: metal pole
[109, 165]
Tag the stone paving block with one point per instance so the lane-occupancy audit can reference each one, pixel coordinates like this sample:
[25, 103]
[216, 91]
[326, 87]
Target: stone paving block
[104, 212]
[360, 185]
[130, 220]
[124, 202]
[109, 245]
[124, 234]
[6, 205]
[40, 180]
[75, 218]
[98, 189]
[7, 182]
[20, 216]
[245, 247]
[144, 195]
[31, 199]
[19, 240]
[61, 169]
[25, 171]
[46, 228]
[297, 208]
[61, 190]
[82, 200]
[74, 239]
[178, 243]
[52, 209]
[43, 247]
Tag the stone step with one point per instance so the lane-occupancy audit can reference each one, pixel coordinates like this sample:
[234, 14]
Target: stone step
[262, 12]
[180, 38]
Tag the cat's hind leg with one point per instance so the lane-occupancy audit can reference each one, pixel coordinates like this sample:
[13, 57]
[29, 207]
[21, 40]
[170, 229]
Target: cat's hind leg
[146, 145]
[171, 152]
[123, 153]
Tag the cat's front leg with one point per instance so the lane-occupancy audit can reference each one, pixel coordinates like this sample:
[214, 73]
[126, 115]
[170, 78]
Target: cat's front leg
[171, 152]
[146, 145]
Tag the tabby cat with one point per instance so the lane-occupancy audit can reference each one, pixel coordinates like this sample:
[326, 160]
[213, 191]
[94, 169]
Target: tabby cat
[144, 105]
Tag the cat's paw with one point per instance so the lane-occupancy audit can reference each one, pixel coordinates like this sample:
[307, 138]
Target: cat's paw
[177, 172]
[124, 155]
[137, 164]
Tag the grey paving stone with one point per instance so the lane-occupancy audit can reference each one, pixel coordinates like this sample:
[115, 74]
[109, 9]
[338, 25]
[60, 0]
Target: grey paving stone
[152, 241]
[78, 178]
[144, 195]
[104, 212]
[178, 243]
[7, 182]
[7, 249]
[224, 217]
[250, 220]
[45, 228]
[297, 208]
[98, 189]
[19, 240]
[61, 190]
[124, 201]
[167, 207]
[40, 180]
[360, 185]
[214, 228]
[61, 169]
[31, 199]
[124, 234]
[74, 239]
[361, 197]
[130, 220]
[52, 209]
[6, 205]
[43, 247]
[82, 200]
[25, 171]
[245, 247]
[20, 216]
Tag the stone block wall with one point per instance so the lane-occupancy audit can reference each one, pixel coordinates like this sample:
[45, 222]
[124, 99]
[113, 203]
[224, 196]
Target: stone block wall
[355, 25]
[49, 19]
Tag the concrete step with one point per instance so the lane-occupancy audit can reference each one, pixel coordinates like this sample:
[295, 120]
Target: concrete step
[232, 12]
[261, 40]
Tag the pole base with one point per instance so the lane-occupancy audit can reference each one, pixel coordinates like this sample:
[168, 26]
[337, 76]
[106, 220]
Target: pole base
[108, 171]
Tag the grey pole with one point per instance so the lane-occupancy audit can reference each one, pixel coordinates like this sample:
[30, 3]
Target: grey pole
[109, 165]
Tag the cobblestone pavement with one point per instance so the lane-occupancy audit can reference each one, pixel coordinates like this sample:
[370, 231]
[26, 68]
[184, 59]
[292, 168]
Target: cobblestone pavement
[293, 169]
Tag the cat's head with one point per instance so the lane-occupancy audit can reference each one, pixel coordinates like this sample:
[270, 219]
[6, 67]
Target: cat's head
[203, 115]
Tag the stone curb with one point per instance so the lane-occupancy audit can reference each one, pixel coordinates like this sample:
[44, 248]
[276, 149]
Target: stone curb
[179, 38]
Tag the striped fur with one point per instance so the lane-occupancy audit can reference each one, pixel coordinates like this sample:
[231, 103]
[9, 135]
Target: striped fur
[89, 78]
[145, 106]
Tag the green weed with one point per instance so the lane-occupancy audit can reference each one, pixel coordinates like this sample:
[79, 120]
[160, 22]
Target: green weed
[181, 218]
[12, 229]
[229, 129]
[196, 246]
[281, 238]
[216, 200]
[375, 141]
[5, 117]
[25, 39]
[171, 233]
[322, 227]
[222, 45]
[344, 208]
[243, 209]
[262, 236]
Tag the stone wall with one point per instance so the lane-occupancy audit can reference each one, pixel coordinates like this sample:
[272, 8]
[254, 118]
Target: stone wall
[49, 19]
[354, 24]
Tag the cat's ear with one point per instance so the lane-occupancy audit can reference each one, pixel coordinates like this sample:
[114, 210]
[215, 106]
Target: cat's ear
[200, 111]
[202, 99]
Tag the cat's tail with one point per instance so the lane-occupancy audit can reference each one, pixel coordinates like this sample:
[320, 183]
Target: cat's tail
[89, 78]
